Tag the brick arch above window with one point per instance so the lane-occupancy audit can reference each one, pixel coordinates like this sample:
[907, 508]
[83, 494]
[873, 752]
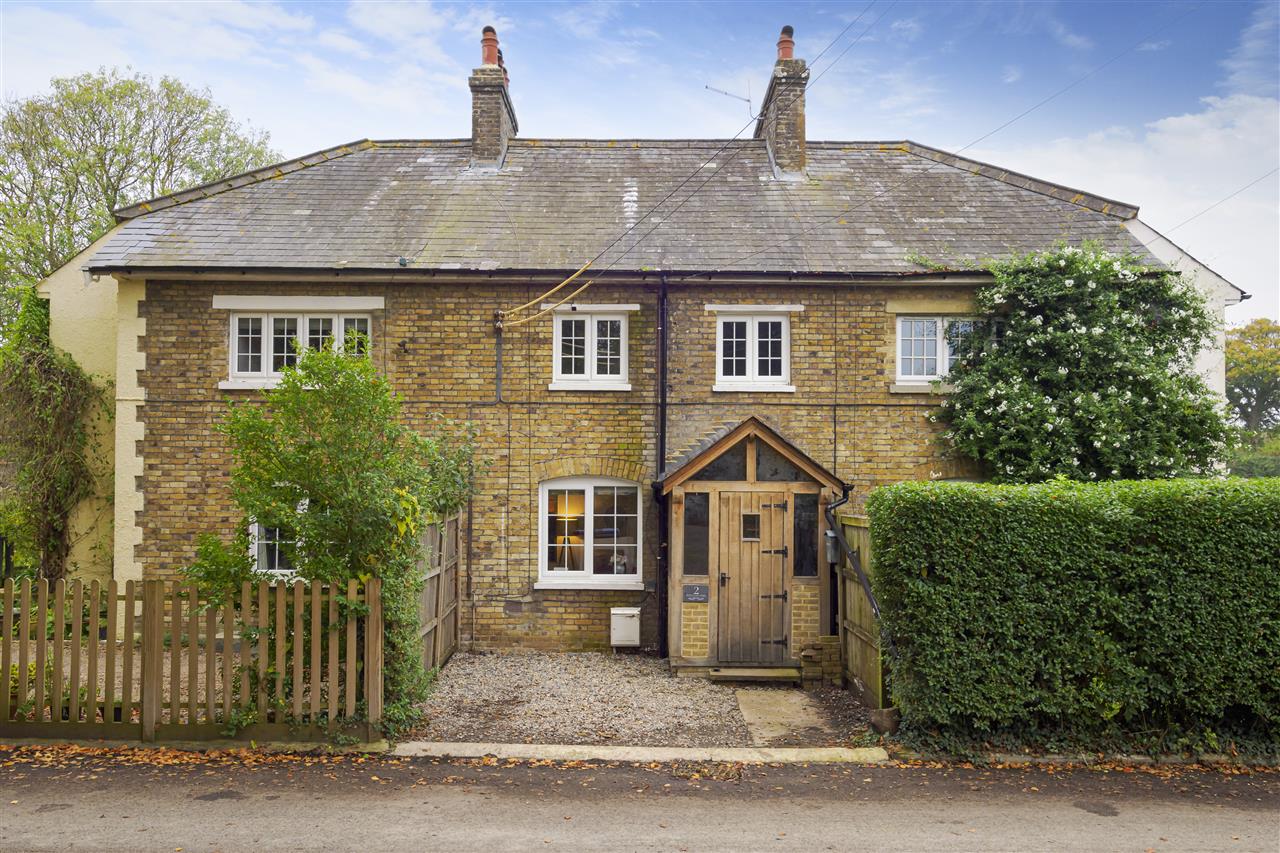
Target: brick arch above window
[591, 466]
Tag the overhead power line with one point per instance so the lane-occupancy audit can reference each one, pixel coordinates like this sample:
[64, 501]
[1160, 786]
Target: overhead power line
[1222, 200]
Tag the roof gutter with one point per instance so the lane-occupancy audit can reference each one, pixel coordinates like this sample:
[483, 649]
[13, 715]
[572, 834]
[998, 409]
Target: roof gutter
[534, 274]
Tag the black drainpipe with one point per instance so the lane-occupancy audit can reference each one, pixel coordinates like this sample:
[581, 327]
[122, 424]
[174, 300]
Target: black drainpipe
[854, 559]
[664, 556]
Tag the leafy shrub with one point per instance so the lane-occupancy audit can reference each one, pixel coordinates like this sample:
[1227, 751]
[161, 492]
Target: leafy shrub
[1087, 373]
[1259, 456]
[1137, 613]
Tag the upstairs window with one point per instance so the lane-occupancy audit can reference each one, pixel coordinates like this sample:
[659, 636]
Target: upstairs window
[753, 347]
[264, 345]
[589, 351]
[926, 346]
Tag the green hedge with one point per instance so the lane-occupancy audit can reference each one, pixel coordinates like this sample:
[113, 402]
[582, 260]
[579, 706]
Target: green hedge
[1144, 613]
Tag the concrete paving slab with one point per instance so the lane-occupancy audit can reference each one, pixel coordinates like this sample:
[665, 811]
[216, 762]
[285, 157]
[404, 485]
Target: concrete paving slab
[774, 714]
[643, 754]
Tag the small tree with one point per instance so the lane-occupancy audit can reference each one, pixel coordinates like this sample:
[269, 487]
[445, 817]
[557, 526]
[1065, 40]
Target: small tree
[1253, 373]
[1085, 370]
[326, 458]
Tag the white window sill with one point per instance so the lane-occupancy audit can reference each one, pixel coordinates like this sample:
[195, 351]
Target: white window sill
[589, 385]
[634, 584]
[921, 388]
[753, 388]
[249, 384]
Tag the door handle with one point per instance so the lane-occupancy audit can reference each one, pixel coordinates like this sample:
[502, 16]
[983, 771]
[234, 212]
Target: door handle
[723, 578]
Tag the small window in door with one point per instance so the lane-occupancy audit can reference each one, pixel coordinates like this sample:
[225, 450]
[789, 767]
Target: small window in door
[751, 527]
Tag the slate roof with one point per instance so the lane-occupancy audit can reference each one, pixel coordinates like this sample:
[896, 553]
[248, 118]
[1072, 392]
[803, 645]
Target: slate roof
[556, 203]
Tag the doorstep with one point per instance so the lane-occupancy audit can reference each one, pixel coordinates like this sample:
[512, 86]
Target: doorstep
[640, 754]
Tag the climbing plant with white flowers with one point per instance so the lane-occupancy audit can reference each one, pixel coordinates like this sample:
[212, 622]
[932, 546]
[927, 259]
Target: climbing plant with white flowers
[1084, 368]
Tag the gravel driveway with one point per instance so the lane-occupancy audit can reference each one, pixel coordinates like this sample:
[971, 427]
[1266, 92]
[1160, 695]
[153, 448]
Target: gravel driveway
[536, 697]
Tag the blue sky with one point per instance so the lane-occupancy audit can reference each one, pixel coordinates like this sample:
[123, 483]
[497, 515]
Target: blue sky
[1187, 114]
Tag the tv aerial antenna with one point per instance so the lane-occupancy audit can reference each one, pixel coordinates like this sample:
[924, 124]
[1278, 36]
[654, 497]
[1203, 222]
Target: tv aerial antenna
[747, 100]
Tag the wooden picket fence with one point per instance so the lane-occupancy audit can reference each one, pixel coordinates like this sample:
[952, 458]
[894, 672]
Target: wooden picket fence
[438, 622]
[860, 652]
[158, 661]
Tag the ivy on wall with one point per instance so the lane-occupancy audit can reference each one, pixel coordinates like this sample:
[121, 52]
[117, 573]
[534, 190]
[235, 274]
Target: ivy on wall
[47, 404]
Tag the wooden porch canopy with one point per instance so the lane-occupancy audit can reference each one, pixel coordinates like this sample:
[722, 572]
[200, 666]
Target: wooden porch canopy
[716, 444]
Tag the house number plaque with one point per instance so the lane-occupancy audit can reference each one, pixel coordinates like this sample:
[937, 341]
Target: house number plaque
[696, 592]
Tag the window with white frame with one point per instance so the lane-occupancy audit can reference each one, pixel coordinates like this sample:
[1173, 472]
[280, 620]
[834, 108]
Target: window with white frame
[753, 348]
[268, 546]
[927, 346]
[263, 345]
[590, 351]
[590, 533]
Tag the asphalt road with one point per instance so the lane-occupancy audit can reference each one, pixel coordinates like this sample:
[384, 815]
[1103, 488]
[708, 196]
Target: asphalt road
[79, 802]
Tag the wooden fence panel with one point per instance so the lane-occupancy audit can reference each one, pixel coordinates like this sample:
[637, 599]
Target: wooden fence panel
[6, 648]
[287, 664]
[438, 602]
[859, 629]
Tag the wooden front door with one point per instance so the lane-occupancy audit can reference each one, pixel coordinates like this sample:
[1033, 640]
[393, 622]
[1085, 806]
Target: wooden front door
[754, 533]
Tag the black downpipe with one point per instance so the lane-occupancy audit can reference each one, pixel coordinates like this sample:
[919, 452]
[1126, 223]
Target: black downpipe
[497, 356]
[664, 524]
[855, 560]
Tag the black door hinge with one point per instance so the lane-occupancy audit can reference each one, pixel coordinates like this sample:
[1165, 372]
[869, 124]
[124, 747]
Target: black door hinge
[782, 551]
[781, 506]
[781, 642]
[782, 595]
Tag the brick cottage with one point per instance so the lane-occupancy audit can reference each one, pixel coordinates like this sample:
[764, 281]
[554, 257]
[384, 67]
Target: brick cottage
[754, 344]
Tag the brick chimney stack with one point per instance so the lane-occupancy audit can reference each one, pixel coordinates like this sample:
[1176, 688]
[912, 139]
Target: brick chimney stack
[493, 119]
[781, 123]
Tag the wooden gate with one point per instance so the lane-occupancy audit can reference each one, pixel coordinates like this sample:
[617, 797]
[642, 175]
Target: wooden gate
[754, 536]
[438, 601]
[156, 660]
[859, 629]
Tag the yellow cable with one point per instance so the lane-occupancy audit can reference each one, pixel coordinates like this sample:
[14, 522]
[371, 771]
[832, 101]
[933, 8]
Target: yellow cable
[533, 302]
[532, 317]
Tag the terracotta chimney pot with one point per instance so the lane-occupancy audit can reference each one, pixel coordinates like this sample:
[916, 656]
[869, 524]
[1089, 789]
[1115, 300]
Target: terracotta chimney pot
[489, 53]
[787, 44]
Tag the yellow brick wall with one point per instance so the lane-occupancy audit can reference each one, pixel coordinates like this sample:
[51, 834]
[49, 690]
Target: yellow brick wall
[695, 636]
[437, 344]
[805, 615]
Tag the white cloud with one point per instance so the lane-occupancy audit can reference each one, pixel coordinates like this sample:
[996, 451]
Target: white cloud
[1066, 37]
[418, 30]
[1011, 74]
[1174, 168]
[1252, 66]
[1153, 46]
[343, 43]
[205, 30]
[586, 20]
[908, 29]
